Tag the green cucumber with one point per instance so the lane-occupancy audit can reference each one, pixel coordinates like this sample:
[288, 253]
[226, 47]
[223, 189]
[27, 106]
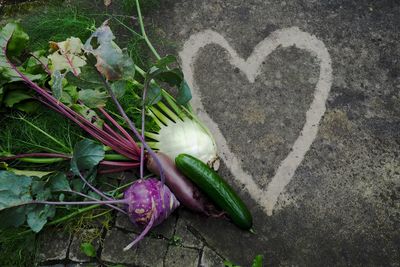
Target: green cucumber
[215, 188]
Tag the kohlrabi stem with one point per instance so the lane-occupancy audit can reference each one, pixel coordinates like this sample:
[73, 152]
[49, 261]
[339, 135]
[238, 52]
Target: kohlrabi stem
[100, 202]
[92, 187]
[92, 198]
[132, 126]
[151, 47]
[146, 85]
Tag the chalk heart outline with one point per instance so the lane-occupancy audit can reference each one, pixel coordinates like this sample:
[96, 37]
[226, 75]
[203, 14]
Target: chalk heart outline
[251, 68]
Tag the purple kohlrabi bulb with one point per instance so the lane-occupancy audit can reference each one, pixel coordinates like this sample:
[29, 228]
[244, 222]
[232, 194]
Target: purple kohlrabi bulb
[149, 198]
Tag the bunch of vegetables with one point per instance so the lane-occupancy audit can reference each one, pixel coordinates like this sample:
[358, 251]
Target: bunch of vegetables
[77, 80]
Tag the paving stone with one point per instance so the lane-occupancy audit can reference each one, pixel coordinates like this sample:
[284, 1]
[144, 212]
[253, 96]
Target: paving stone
[75, 252]
[210, 259]
[180, 256]
[83, 265]
[165, 229]
[114, 242]
[149, 252]
[53, 245]
[182, 231]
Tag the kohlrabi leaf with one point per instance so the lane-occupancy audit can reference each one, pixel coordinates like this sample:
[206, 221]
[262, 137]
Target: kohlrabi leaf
[67, 56]
[93, 98]
[14, 189]
[12, 217]
[12, 42]
[112, 62]
[86, 156]
[89, 114]
[59, 182]
[38, 215]
[31, 173]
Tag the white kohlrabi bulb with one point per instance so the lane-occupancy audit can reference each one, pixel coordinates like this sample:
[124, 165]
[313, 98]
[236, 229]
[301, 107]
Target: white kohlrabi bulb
[188, 137]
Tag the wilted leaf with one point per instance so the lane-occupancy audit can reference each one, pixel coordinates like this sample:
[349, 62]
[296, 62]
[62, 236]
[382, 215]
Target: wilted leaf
[68, 56]
[57, 84]
[39, 174]
[14, 189]
[113, 62]
[107, 2]
[28, 106]
[93, 98]
[87, 155]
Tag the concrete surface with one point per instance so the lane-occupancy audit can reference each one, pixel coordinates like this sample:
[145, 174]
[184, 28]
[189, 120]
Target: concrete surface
[329, 90]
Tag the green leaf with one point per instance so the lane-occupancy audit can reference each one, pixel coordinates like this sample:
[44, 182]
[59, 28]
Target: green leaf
[89, 114]
[87, 155]
[88, 249]
[113, 62]
[39, 174]
[173, 77]
[88, 79]
[38, 215]
[15, 96]
[59, 182]
[57, 84]
[120, 87]
[93, 98]
[14, 189]
[165, 61]
[12, 42]
[39, 191]
[184, 94]
[153, 95]
[28, 106]
[12, 217]
[18, 40]
[258, 261]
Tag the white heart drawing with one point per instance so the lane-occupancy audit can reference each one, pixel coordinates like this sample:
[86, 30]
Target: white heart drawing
[251, 67]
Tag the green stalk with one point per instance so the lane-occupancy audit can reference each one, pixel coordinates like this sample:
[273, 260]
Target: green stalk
[42, 160]
[160, 116]
[153, 50]
[115, 157]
